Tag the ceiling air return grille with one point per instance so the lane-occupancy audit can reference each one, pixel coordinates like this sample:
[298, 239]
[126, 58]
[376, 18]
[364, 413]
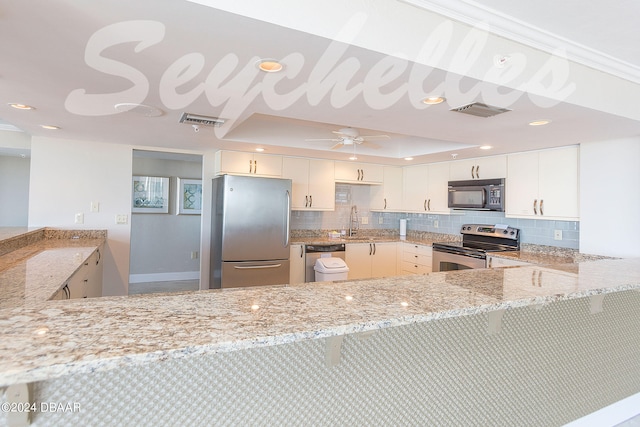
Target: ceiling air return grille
[480, 110]
[197, 119]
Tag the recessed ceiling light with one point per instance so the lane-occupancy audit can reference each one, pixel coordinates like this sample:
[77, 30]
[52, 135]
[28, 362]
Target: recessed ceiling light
[269, 65]
[433, 100]
[22, 106]
[539, 122]
[51, 127]
[485, 147]
[260, 149]
[408, 158]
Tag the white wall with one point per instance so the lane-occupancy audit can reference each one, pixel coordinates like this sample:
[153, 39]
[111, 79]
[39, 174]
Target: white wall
[14, 191]
[610, 197]
[66, 176]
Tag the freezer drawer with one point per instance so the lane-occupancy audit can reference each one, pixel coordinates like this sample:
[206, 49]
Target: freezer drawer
[255, 273]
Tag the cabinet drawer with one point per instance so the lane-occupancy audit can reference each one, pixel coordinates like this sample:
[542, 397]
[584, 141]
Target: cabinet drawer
[420, 259]
[414, 248]
[413, 268]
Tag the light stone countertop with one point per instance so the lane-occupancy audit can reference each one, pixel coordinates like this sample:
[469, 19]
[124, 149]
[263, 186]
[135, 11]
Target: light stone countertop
[55, 338]
[36, 264]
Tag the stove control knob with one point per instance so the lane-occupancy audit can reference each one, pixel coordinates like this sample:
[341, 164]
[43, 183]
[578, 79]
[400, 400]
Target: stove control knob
[513, 232]
[505, 231]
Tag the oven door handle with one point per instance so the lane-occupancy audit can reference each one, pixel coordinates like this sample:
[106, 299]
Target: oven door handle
[455, 252]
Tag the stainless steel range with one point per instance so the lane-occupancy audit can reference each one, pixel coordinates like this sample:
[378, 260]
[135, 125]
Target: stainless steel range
[478, 240]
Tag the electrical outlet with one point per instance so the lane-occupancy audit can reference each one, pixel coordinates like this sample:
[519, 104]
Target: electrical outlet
[364, 220]
[122, 218]
[95, 207]
[436, 224]
[194, 254]
[557, 234]
[79, 218]
[380, 220]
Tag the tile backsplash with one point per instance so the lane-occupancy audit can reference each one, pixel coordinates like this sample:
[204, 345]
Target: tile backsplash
[534, 231]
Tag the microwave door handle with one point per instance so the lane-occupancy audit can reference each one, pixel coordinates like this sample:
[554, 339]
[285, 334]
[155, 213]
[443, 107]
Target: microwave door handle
[484, 197]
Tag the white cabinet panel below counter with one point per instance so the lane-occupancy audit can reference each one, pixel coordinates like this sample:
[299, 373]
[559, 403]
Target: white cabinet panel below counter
[370, 260]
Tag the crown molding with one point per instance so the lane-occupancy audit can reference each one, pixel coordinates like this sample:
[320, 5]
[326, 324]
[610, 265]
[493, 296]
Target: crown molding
[472, 13]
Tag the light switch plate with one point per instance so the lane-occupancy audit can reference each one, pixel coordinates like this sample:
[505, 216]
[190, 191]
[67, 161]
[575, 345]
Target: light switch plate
[95, 207]
[365, 220]
[557, 234]
[79, 218]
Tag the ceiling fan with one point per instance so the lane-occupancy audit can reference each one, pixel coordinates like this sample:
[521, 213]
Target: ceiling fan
[351, 136]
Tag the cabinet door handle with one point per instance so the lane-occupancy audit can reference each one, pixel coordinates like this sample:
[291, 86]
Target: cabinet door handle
[362, 172]
[306, 201]
[374, 248]
[541, 207]
[310, 200]
[370, 249]
[535, 206]
[255, 166]
[489, 261]
[301, 251]
[250, 166]
[425, 204]
[429, 204]
[385, 203]
[478, 171]
[472, 168]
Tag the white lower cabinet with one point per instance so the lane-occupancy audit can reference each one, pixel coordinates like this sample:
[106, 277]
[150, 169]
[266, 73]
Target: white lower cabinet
[296, 264]
[86, 282]
[416, 258]
[369, 260]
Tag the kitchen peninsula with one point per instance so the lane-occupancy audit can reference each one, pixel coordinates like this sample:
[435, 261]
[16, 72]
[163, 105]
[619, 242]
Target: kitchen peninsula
[531, 345]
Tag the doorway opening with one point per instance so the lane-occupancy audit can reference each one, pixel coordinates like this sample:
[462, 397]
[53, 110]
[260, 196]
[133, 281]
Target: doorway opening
[165, 222]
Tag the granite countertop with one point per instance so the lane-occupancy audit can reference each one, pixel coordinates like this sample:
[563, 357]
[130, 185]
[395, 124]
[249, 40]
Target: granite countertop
[35, 268]
[55, 338]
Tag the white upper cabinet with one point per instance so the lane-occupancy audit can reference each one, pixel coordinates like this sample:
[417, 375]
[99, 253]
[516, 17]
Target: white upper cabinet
[425, 188]
[243, 163]
[388, 196]
[543, 184]
[312, 183]
[480, 168]
[359, 173]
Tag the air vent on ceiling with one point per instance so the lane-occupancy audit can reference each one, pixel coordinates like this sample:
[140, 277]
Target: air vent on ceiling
[480, 110]
[197, 119]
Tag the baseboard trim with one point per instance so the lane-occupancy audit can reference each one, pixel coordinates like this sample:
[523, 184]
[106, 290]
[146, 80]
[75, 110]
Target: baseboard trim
[611, 415]
[164, 277]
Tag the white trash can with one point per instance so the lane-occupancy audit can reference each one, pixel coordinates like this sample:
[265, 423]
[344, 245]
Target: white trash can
[330, 269]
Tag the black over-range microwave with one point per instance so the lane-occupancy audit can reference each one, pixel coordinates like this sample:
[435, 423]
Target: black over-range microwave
[478, 194]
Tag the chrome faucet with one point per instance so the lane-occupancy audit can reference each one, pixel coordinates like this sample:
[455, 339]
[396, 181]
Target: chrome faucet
[353, 221]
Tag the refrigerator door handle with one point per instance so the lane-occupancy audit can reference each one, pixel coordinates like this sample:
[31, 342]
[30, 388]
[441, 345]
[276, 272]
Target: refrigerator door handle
[288, 220]
[256, 267]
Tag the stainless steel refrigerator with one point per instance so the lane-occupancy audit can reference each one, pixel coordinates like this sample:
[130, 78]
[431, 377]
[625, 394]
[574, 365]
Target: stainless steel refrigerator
[250, 231]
